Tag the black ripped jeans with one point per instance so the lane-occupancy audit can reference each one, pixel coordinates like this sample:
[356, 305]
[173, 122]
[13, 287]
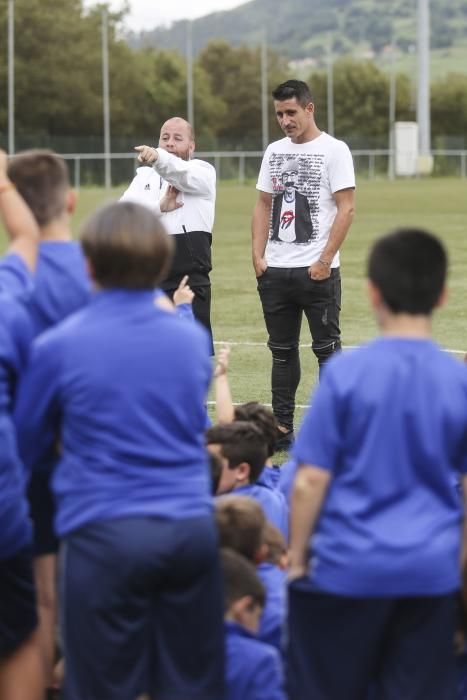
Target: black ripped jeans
[287, 293]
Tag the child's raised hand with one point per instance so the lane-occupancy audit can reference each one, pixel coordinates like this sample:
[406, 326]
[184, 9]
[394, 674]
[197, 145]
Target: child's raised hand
[222, 363]
[3, 165]
[183, 294]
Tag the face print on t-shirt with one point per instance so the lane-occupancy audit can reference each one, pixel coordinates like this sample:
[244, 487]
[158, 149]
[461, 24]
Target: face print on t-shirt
[292, 217]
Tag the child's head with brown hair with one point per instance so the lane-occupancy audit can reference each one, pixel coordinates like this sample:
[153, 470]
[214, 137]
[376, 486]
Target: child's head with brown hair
[241, 524]
[242, 450]
[264, 419]
[41, 177]
[126, 246]
[244, 593]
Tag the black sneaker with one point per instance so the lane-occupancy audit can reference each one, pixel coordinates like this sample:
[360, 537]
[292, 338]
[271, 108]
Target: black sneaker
[284, 441]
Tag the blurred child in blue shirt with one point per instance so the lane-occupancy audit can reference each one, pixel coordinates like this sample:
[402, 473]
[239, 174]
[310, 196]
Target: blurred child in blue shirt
[243, 450]
[123, 384]
[242, 526]
[253, 668]
[375, 516]
[273, 501]
[61, 281]
[20, 662]
[61, 287]
[273, 573]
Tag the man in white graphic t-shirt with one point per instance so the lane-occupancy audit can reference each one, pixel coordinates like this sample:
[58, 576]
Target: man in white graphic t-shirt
[303, 213]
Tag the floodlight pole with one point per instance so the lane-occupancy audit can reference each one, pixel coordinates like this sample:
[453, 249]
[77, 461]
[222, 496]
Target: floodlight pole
[189, 74]
[11, 77]
[392, 114]
[330, 91]
[264, 91]
[423, 93]
[105, 96]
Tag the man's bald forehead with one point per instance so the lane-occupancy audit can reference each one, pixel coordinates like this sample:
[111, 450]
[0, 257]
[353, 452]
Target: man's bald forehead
[179, 123]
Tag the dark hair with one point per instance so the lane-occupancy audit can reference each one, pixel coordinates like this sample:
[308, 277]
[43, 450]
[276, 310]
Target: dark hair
[41, 178]
[240, 442]
[291, 89]
[215, 468]
[264, 419]
[241, 524]
[240, 579]
[409, 268]
[127, 246]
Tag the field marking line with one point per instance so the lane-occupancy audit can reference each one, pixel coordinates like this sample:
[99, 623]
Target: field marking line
[248, 343]
[239, 403]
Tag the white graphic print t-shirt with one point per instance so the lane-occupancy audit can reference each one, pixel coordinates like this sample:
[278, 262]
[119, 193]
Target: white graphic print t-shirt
[302, 178]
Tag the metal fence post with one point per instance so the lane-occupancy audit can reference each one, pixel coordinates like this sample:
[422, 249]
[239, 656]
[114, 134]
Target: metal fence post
[77, 179]
[241, 169]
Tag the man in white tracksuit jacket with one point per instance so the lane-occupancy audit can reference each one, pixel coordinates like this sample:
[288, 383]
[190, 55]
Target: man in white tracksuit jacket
[182, 191]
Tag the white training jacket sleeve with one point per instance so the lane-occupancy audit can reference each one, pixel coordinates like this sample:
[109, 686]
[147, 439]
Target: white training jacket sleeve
[191, 176]
[143, 189]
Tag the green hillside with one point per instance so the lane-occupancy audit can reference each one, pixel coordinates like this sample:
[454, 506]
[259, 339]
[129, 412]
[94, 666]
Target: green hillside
[306, 31]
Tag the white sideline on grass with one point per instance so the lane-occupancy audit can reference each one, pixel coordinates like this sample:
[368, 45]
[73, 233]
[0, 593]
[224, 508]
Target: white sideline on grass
[298, 405]
[305, 345]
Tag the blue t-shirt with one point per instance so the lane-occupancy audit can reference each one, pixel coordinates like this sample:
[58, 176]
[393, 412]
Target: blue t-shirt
[62, 285]
[271, 500]
[270, 476]
[273, 618]
[286, 478]
[15, 277]
[124, 384]
[389, 420]
[15, 339]
[253, 669]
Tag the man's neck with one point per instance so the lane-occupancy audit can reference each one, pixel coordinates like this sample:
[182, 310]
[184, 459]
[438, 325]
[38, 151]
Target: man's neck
[310, 134]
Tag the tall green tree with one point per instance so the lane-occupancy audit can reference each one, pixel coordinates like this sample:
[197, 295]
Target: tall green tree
[361, 101]
[235, 77]
[449, 111]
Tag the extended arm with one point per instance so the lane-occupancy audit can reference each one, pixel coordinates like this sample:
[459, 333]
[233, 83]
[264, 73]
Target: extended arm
[309, 490]
[190, 176]
[225, 411]
[345, 202]
[18, 219]
[260, 231]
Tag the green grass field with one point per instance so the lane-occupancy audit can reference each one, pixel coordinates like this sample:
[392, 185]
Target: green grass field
[438, 204]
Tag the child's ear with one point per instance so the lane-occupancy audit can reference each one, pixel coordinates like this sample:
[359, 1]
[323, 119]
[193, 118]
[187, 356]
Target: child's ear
[261, 554]
[374, 295]
[443, 297]
[240, 609]
[243, 472]
[71, 201]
